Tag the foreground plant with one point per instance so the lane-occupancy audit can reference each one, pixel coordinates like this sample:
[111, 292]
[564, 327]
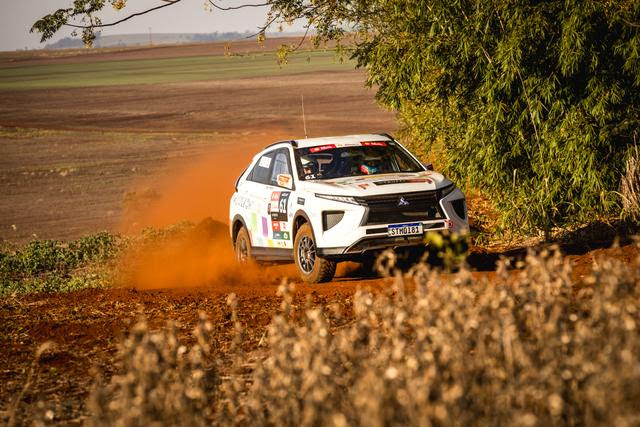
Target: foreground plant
[530, 347]
[161, 381]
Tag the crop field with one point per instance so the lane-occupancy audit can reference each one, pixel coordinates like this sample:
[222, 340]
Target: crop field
[170, 70]
[120, 301]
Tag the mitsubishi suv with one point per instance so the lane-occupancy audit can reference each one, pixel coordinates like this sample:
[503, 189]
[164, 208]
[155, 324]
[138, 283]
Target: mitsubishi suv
[319, 201]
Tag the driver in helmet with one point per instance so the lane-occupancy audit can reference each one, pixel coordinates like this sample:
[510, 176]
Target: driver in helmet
[309, 166]
[370, 165]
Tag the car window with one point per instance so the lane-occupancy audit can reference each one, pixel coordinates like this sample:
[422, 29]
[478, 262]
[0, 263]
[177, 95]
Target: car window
[271, 165]
[368, 158]
[280, 166]
[261, 171]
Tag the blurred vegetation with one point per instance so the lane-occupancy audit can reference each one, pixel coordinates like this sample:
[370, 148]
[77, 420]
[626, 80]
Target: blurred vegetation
[53, 266]
[532, 348]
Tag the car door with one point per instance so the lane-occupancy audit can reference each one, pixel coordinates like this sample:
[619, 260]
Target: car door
[270, 185]
[282, 188]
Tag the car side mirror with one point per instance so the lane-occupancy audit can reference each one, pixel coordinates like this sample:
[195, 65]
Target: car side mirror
[285, 180]
[428, 166]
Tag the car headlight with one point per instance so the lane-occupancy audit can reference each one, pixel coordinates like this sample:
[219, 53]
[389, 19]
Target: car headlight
[343, 199]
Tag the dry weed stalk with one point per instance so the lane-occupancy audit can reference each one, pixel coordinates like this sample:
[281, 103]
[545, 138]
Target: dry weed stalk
[525, 349]
[630, 185]
[161, 381]
[519, 350]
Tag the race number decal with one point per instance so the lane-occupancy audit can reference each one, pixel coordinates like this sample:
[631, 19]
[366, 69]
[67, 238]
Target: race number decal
[279, 206]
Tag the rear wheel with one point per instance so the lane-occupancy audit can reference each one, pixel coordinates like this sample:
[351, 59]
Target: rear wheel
[312, 267]
[242, 246]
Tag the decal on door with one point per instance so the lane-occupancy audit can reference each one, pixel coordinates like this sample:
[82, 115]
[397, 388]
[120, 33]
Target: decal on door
[279, 226]
[279, 205]
[281, 235]
[265, 227]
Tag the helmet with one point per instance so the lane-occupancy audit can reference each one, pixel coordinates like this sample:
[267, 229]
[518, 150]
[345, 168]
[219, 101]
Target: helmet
[370, 165]
[309, 165]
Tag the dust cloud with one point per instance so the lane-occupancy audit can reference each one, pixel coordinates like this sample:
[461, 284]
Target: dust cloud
[197, 192]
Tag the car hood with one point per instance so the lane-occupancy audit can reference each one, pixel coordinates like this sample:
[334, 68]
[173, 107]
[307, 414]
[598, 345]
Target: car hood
[392, 183]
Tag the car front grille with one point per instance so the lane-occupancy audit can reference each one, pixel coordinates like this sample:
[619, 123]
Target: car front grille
[397, 208]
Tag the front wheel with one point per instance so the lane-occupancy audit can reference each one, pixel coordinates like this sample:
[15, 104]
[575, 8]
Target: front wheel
[312, 267]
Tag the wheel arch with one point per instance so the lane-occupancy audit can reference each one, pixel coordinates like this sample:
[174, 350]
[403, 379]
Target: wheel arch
[237, 224]
[299, 219]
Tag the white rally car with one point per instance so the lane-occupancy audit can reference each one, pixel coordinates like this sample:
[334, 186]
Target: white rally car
[319, 201]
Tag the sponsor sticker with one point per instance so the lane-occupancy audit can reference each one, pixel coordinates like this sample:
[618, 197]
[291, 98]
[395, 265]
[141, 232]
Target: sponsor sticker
[301, 201]
[281, 235]
[275, 226]
[322, 148]
[265, 227]
[284, 180]
[254, 222]
[243, 202]
[403, 181]
[264, 162]
[373, 144]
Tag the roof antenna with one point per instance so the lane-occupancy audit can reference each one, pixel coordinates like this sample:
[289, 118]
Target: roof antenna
[304, 121]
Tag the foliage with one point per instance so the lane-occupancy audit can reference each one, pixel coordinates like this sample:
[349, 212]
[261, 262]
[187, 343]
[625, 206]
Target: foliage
[536, 103]
[528, 349]
[51, 266]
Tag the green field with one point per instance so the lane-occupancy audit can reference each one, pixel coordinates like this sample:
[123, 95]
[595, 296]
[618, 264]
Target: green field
[174, 70]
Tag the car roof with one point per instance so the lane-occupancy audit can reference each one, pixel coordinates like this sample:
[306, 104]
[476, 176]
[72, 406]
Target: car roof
[347, 139]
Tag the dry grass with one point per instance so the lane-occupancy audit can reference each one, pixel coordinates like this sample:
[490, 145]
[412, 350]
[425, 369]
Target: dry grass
[524, 349]
[630, 186]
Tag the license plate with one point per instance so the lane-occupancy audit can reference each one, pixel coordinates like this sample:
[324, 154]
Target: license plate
[405, 229]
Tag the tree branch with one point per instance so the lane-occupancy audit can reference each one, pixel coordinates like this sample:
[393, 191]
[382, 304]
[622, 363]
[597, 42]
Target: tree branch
[302, 39]
[242, 6]
[264, 27]
[133, 15]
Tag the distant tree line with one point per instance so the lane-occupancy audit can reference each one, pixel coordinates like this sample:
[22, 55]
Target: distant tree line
[138, 39]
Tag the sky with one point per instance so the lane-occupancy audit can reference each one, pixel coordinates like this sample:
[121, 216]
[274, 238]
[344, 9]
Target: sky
[189, 16]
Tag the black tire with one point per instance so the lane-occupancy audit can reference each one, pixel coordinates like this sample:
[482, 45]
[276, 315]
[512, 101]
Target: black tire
[368, 266]
[242, 246]
[312, 268]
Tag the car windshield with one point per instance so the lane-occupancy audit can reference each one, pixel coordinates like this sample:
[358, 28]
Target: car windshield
[368, 158]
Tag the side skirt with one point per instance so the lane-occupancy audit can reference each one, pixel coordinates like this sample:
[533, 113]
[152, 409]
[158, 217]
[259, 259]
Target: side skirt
[272, 254]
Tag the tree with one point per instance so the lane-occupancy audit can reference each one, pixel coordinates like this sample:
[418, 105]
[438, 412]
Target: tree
[535, 102]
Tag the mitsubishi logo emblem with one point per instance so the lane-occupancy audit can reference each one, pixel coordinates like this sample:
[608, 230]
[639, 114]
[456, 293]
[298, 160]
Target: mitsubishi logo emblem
[402, 202]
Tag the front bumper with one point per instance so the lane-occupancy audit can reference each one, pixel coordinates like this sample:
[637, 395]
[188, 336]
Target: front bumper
[351, 238]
